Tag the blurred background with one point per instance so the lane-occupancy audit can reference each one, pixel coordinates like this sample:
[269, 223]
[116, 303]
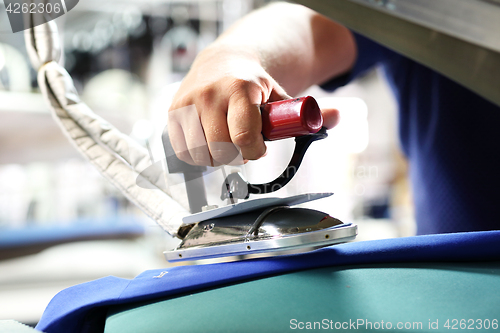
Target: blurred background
[61, 223]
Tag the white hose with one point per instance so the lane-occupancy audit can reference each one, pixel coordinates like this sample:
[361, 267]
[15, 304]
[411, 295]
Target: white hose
[117, 157]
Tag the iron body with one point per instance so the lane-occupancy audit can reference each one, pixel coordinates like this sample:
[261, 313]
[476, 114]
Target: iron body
[260, 227]
[269, 230]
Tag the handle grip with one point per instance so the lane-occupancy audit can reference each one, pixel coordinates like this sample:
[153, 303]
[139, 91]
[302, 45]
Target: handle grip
[291, 118]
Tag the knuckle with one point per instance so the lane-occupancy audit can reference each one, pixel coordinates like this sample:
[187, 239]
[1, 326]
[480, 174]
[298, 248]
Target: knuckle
[180, 102]
[239, 85]
[184, 156]
[200, 156]
[245, 138]
[219, 155]
[200, 159]
[224, 156]
[207, 95]
[266, 82]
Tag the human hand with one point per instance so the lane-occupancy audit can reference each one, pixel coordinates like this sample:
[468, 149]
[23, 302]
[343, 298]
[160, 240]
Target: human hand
[215, 116]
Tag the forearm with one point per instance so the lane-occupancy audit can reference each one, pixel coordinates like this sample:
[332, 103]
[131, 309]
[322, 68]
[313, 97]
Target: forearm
[295, 45]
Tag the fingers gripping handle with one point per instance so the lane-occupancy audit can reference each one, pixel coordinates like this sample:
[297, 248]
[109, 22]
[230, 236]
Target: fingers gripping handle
[280, 120]
[299, 117]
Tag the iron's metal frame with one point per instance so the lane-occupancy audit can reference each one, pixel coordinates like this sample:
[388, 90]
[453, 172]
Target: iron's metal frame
[282, 245]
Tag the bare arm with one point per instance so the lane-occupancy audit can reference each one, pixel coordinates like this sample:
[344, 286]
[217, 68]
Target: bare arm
[296, 46]
[268, 55]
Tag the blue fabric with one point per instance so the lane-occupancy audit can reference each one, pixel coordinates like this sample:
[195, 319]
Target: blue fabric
[82, 308]
[450, 137]
[78, 229]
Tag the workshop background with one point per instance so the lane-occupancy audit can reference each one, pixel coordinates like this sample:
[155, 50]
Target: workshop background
[61, 223]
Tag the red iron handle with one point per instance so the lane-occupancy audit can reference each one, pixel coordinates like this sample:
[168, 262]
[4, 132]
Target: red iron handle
[291, 118]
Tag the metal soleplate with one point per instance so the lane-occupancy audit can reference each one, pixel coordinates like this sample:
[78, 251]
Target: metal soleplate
[306, 241]
[246, 206]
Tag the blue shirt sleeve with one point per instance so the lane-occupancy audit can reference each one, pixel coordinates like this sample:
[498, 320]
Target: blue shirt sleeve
[450, 137]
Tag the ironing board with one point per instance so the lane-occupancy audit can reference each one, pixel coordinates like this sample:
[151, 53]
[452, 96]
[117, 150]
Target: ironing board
[421, 278]
[368, 297]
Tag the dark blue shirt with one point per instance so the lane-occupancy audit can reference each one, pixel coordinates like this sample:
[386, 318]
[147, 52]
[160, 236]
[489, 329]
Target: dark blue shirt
[451, 138]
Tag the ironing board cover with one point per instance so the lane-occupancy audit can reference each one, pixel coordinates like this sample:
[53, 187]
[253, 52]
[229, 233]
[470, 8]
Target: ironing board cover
[82, 308]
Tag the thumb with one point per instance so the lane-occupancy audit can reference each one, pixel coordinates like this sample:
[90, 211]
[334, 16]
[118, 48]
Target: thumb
[278, 94]
[331, 117]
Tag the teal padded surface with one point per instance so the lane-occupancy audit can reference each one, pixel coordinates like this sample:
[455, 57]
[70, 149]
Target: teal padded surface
[399, 293]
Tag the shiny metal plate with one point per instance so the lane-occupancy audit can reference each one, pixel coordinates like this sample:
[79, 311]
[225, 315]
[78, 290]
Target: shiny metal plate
[279, 245]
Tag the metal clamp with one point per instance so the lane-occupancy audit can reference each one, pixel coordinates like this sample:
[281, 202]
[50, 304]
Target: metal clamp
[236, 187]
